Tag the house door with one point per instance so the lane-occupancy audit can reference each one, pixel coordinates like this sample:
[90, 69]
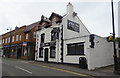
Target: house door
[46, 55]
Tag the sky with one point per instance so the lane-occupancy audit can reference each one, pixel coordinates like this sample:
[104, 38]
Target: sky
[95, 14]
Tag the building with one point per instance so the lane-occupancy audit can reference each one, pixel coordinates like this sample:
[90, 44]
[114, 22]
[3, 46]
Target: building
[20, 43]
[1, 52]
[12, 42]
[65, 39]
[30, 41]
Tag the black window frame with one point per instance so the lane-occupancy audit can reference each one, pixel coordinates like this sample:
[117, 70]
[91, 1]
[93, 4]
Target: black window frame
[40, 50]
[42, 38]
[52, 52]
[75, 49]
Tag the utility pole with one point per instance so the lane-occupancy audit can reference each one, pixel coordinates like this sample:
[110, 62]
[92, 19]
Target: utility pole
[114, 46]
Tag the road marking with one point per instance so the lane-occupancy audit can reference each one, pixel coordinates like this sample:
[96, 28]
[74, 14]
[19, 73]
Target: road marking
[54, 68]
[23, 69]
[24, 61]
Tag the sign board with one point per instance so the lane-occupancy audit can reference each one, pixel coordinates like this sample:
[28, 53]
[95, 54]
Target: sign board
[24, 43]
[72, 26]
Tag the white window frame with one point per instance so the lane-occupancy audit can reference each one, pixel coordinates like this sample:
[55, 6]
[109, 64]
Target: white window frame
[3, 41]
[20, 38]
[6, 40]
[16, 37]
[27, 36]
[13, 38]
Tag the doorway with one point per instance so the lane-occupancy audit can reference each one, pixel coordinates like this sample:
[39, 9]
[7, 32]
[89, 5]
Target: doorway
[46, 55]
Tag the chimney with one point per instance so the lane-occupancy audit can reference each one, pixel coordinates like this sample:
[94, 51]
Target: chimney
[69, 8]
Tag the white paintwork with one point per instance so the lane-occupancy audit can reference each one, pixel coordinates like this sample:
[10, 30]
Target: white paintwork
[101, 55]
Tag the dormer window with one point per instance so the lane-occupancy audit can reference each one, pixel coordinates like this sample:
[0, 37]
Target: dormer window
[54, 21]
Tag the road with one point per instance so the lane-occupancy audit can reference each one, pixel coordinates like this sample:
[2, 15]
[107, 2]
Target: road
[14, 67]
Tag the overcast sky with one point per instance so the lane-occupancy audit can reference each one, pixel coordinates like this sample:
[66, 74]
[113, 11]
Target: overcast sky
[95, 15]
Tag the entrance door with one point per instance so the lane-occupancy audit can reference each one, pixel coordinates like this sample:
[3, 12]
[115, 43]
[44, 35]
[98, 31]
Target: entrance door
[46, 55]
[19, 51]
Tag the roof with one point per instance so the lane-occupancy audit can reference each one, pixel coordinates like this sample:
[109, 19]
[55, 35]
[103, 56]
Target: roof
[55, 15]
[31, 26]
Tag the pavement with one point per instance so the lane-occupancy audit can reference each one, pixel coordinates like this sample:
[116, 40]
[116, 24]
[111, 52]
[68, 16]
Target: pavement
[54, 69]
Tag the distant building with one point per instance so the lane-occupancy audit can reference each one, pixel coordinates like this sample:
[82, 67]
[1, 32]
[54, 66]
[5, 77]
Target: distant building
[20, 43]
[1, 52]
[65, 39]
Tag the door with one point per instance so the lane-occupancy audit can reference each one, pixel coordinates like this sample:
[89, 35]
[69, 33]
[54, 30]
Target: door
[46, 55]
[19, 51]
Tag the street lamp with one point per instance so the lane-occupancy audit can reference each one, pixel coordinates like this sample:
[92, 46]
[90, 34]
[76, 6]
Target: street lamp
[10, 38]
[114, 46]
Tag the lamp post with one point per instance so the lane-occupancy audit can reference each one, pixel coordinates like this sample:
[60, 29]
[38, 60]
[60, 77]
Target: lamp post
[10, 38]
[114, 46]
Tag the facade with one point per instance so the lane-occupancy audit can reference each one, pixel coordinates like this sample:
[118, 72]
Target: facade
[12, 42]
[20, 43]
[29, 41]
[1, 52]
[65, 39]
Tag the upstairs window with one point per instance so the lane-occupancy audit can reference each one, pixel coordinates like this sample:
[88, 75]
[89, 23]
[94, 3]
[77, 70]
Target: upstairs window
[9, 40]
[3, 41]
[42, 38]
[26, 36]
[16, 37]
[6, 40]
[75, 49]
[13, 39]
[20, 37]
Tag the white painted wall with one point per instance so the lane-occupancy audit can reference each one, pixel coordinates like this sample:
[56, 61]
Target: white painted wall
[101, 55]
[75, 58]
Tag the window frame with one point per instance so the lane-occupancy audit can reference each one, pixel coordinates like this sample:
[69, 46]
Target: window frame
[17, 37]
[40, 52]
[75, 51]
[51, 51]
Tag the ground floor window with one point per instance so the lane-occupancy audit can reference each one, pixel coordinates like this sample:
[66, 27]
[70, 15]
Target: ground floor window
[27, 51]
[52, 52]
[75, 49]
[40, 52]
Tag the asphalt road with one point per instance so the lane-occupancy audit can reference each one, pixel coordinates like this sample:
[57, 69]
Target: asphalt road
[12, 67]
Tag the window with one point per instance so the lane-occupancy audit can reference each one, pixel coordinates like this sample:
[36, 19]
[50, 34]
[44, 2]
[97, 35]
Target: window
[53, 36]
[9, 40]
[42, 38]
[52, 52]
[20, 37]
[34, 35]
[40, 52]
[26, 36]
[6, 40]
[3, 41]
[75, 49]
[16, 37]
[13, 39]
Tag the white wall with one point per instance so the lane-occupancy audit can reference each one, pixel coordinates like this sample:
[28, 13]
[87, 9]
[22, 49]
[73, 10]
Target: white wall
[74, 58]
[71, 34]
[101, 55]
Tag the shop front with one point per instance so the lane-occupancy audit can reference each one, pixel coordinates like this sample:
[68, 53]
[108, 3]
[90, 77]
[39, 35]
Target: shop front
[28, 51]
